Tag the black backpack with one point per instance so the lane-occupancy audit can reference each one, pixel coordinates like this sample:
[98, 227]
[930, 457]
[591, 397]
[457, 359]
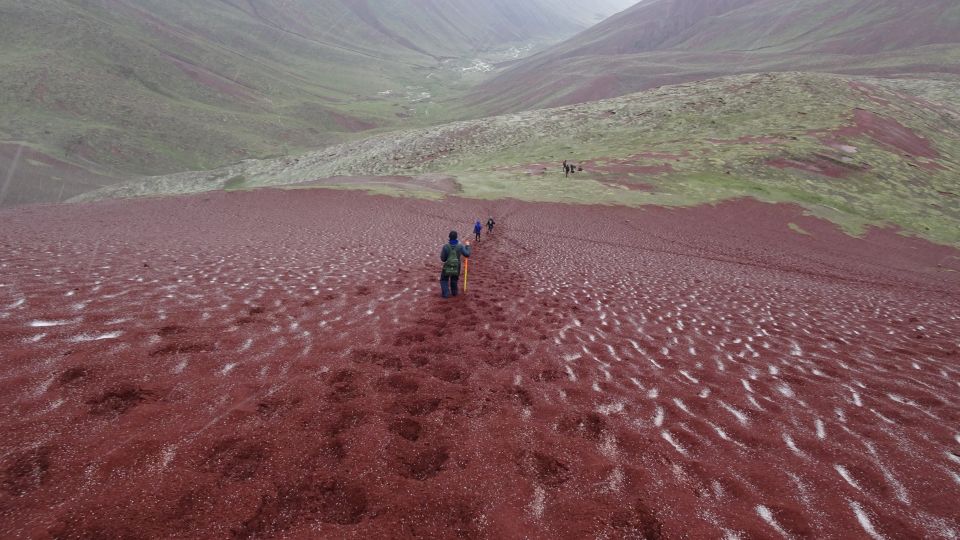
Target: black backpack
[451, 267]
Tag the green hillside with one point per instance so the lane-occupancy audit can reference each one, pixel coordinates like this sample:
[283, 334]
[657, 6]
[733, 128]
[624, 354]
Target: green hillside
[130, 87]
[857, 151]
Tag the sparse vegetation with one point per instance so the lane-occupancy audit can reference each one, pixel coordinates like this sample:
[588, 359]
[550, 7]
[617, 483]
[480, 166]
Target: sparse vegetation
[679, 145]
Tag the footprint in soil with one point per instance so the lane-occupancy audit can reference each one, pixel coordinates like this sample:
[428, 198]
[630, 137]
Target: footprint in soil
[501, 359]
[408, 428]
[344, 385]
[119, 400]
[417, 406]
[636, 521]
[590, 425]
[520, 394]
[449, 372]
[407, 337]
[549, 375]
[26, 470]
[171, 330]
[442, 516]
[274, 406]
[326, 500]
[362, 290]
[543, 468]
[182, 348]
[419, 360]
[74, 376]
[235, 459]
[344, 419]
[422, 463]
[380, 358]
[398, 383]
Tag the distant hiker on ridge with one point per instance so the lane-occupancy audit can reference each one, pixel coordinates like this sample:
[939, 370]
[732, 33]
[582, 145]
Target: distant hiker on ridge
[566, 168]
[490, 224]
[450, 274]
[477, 229]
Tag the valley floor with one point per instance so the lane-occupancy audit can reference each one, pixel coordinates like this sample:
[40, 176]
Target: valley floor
[279, 363]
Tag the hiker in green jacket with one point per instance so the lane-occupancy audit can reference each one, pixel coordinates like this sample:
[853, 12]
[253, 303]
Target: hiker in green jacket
[450, 274]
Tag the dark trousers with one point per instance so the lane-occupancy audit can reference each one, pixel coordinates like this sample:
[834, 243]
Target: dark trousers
[449, 285]
[478, 235]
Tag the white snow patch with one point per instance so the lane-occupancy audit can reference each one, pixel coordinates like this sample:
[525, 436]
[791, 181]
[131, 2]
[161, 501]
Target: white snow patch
[723, 434]
[767, 516]
[95, 337]
[842, 471]
[785, 391]
[180, 366]
[658, 417]
[741, 417]
[539, 502]
[616, 480]
[46, 324]
[792, 445]
[864, 520]
[682, 406]
[669, 438]
[167, 455]
[611, 408]
[35, 338]
[608, 447]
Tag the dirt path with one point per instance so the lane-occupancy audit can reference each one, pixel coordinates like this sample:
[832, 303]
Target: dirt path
[269, 364]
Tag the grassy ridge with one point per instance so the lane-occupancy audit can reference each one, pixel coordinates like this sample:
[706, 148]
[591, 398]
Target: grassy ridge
[678, 145]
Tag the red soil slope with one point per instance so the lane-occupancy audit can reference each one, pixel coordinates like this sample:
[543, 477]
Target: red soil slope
[29, 176]
[278, 364]
[661, 42]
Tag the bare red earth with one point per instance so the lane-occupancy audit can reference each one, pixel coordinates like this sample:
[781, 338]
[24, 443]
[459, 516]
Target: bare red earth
[278, 364]
[442, 184]
[35, 177]
[886, 131]
[817, 164]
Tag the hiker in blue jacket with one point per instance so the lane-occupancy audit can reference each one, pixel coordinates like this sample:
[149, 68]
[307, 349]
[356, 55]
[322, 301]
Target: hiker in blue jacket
[477, 229]
[450, 274]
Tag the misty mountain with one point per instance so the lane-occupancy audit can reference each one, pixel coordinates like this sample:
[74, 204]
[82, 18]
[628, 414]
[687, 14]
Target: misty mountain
[669, 41]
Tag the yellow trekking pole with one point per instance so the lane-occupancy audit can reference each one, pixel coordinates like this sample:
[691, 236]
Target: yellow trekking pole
[466, 273]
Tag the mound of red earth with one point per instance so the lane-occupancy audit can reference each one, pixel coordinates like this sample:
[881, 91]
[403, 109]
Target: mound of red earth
[278, 364]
